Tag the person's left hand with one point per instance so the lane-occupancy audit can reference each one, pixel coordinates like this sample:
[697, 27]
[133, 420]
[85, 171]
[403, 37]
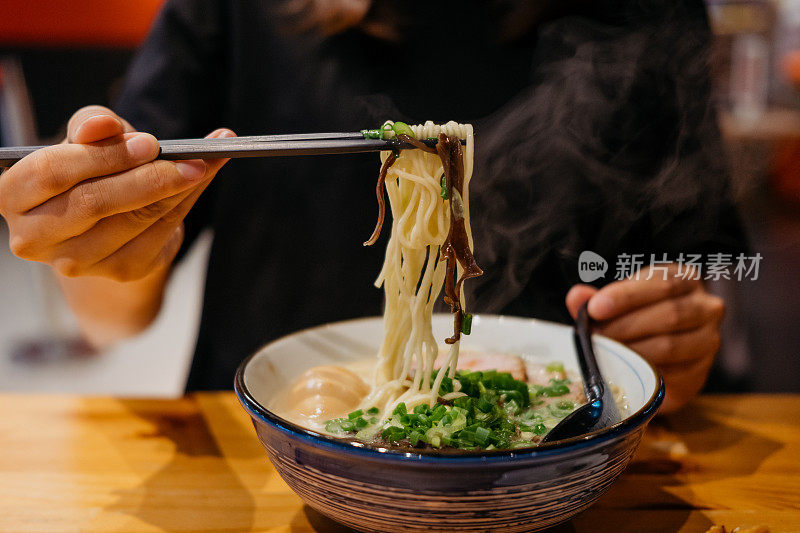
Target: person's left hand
[673, 322]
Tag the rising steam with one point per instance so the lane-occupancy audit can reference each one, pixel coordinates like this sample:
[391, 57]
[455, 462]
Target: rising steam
[613, 148]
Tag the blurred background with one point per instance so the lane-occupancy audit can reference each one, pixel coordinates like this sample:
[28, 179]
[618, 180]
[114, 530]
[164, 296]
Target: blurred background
[59, 55]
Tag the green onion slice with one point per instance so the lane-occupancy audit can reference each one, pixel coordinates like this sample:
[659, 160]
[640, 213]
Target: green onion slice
[466, 324]
[401, 128]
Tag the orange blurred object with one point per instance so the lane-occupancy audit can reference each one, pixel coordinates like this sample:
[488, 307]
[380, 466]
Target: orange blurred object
[785, 171]
[790, 66]
[103, 23]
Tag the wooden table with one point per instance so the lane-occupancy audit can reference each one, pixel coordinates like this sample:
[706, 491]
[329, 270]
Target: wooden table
[72, 463]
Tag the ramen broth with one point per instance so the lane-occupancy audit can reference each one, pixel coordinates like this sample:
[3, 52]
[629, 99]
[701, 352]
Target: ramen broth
[324, 399]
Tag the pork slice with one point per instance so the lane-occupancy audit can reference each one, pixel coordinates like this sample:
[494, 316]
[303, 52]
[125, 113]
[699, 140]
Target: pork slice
[480, 361]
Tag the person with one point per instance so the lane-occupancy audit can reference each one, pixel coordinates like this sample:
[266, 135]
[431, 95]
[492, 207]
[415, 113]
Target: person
[594, 132]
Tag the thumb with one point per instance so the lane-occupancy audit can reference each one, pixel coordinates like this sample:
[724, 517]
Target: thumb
[577, 296]
[207, 168]
[213, 165]
[94, 123]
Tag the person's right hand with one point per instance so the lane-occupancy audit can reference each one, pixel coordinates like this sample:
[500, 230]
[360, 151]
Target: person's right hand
[100, 203]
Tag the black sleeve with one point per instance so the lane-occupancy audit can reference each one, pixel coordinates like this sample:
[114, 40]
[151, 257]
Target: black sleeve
[176, 83]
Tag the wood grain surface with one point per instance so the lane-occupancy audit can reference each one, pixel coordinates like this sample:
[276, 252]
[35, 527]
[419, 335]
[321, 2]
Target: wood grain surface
[70, 463]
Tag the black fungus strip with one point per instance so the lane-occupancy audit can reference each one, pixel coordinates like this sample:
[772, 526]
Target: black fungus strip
[381, 200]
[417, 144]
[456, 245]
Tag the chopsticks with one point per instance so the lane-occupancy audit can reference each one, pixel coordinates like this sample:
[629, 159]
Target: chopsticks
[254, 146]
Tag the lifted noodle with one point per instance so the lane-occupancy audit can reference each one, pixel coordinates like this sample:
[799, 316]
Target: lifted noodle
[430, 246]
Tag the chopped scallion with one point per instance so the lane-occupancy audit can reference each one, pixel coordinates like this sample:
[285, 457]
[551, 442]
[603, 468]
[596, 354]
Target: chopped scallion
[466, 324]
[482, 435]
[484, 405]
[497, 411]
[401, 128]
[555, 390]
[387, 130]
[414, 437]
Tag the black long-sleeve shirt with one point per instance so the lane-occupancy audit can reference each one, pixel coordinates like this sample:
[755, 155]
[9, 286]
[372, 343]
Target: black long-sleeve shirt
[594, 131]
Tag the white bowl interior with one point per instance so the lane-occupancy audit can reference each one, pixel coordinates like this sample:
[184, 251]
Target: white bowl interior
[279, 363]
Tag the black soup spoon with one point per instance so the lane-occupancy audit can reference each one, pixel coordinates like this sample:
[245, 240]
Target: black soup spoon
[600, 409]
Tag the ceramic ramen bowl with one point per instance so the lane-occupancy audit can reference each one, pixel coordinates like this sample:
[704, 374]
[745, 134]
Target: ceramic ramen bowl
[385, 490]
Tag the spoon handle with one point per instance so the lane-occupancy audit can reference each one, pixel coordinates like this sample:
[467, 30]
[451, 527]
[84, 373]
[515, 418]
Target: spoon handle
[594, 386]
[590, 371]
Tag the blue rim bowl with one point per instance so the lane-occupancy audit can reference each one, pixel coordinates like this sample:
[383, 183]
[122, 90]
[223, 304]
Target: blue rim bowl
[389, 490]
